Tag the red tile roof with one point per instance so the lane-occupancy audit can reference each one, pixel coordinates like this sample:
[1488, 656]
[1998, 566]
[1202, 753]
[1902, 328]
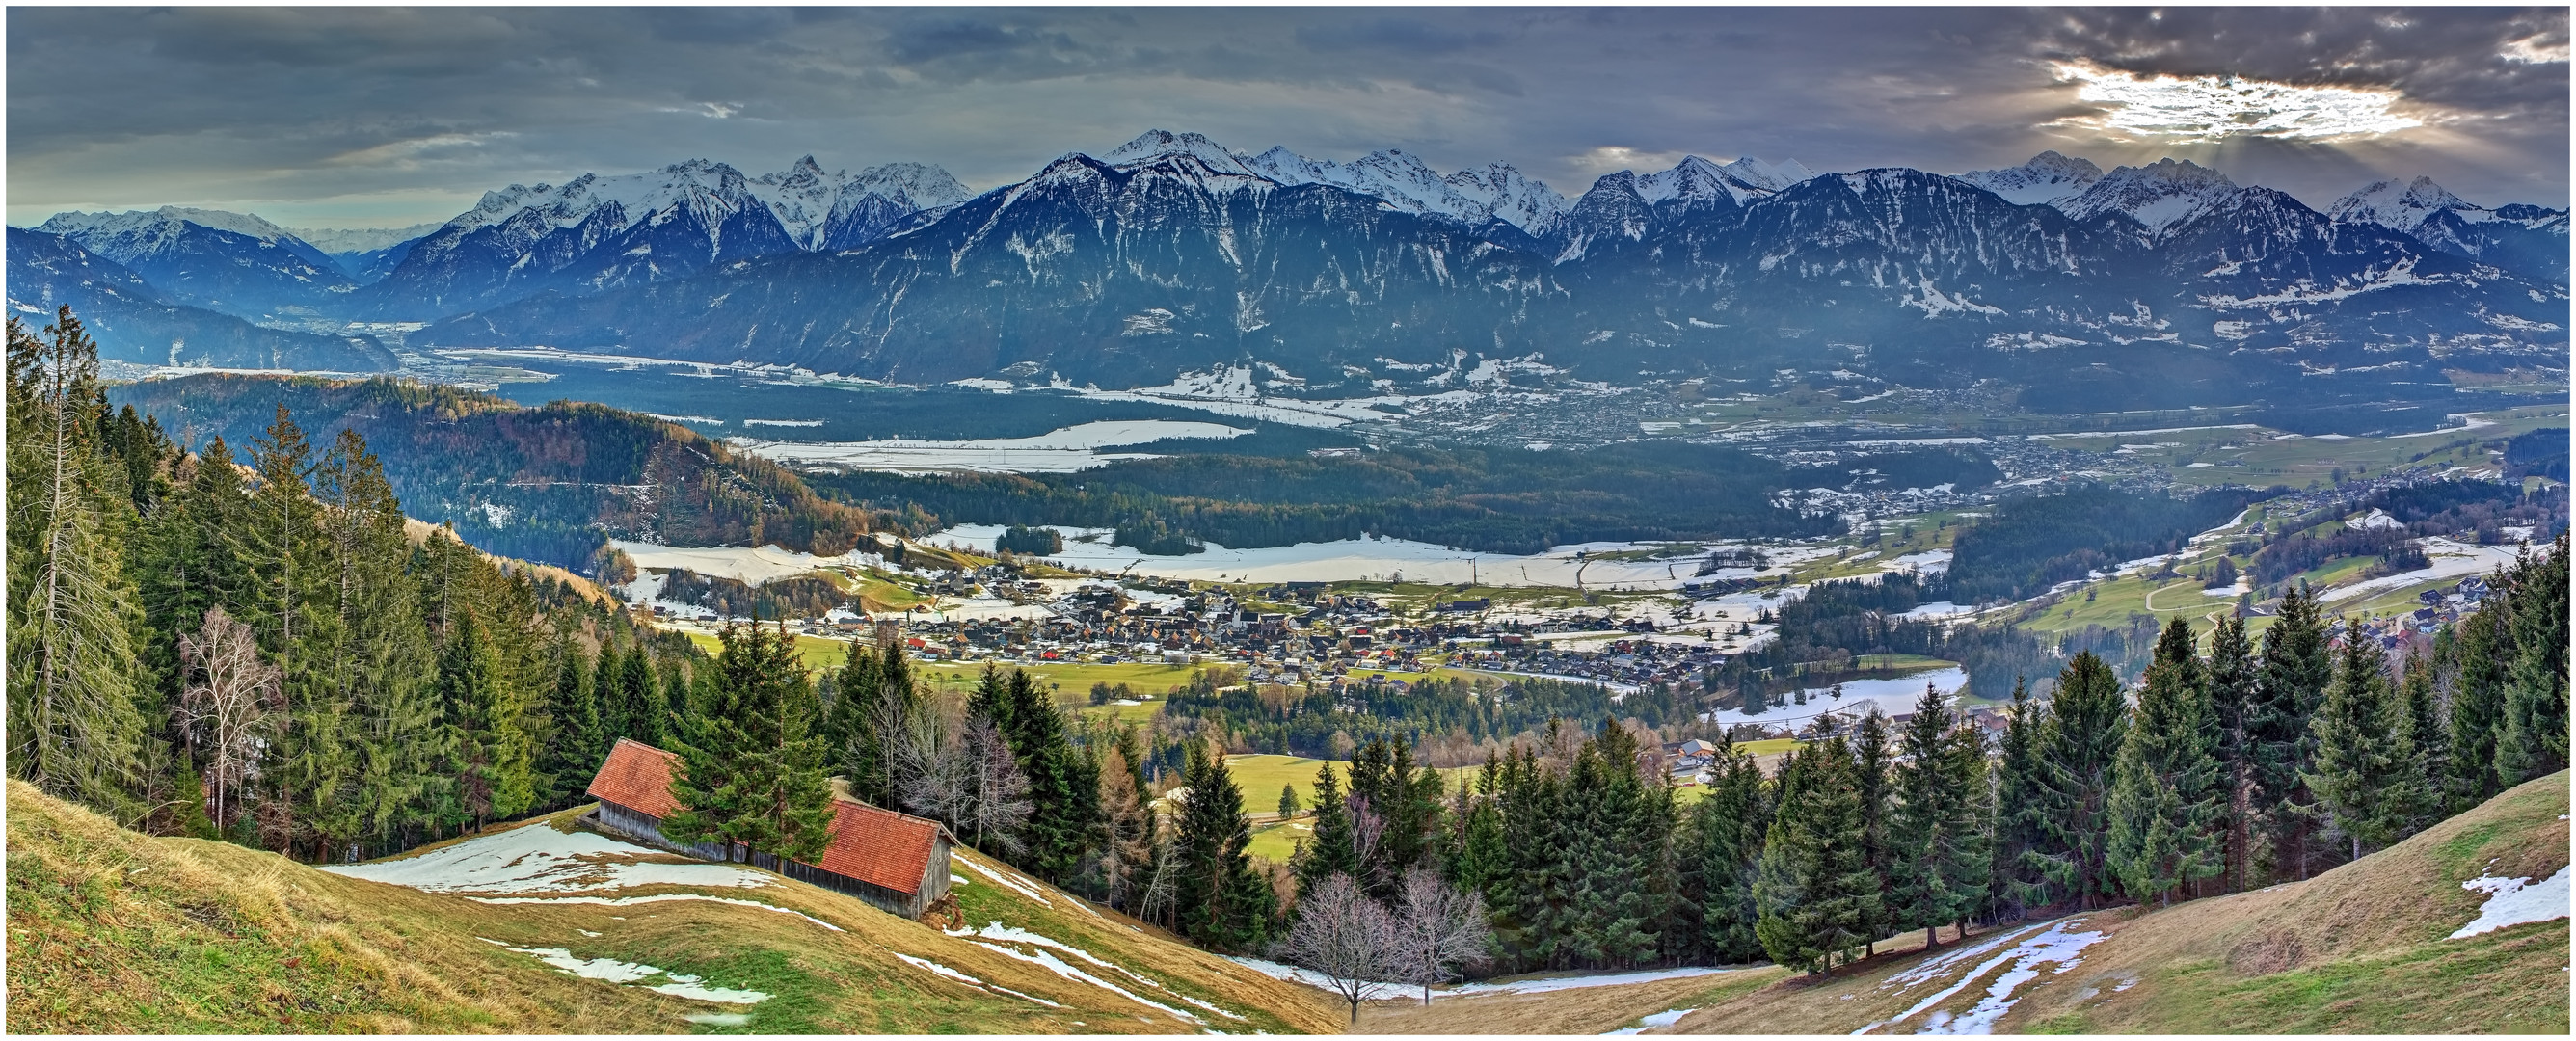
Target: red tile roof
[637, 776]
[873, 845]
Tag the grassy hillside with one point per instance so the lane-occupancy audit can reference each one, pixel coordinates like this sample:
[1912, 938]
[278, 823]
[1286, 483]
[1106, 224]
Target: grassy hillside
[2360, 949]
[110, 931]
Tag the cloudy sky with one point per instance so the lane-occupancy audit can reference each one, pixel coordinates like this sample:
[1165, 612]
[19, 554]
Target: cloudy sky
[383, 117]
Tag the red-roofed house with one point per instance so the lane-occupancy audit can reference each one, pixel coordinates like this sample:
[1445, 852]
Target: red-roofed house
[895, 861]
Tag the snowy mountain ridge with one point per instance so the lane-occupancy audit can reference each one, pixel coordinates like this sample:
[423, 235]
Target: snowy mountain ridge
[2159, 195]
[2048, 178]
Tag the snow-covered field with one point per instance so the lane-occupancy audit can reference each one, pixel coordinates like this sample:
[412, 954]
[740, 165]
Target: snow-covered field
[536, 858]
[1891, 697]
[1063, 450]
[1361, 559]
[754, 566]
[2450, 560]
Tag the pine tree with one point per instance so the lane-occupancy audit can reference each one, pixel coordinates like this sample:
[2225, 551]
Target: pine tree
[1938, 827]
[2020, 879]
[188, 817]
[1060, 821]
[2165, 792]
[1815, 891]
[372, 657]
[2088, 719]
[2366, 772]
[1870, 750]
[1480, 859]
[1328, 849]
[1614, 845]
[2297, 666]
[575, 752]
[2231, 679]
[73, 726]
[751, 772]
[2426, 730]
[2533, 741]
[638, 704]
[1722, 853]
[493, 777]
[1225, 904]
[2483, 652]
[193, 557]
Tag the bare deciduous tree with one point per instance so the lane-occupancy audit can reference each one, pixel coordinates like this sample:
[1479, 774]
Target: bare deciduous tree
[1128, 855]
[1437, 929]
[227, 704]
[1345, 936]
[1000, 792]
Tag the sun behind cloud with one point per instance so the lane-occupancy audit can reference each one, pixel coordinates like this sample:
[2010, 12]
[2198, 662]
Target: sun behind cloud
[2215, 108]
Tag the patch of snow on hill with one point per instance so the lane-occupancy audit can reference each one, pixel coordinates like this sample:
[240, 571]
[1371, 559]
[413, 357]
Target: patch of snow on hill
[2513, 901]
[536, 858]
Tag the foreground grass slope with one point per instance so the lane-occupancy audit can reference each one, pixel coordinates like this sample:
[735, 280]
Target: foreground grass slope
[2359, 949]
[110, 931]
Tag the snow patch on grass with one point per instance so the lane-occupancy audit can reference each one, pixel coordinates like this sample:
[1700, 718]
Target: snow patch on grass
[936, 969]
[538, 859]
[1005, 879]
[625, 973]
[1664, 1018]
[1557, 983]
[1057, 965]
[2052, 946]
[2513, 901]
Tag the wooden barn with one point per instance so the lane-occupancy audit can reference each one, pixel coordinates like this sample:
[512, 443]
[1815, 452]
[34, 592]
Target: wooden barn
[895, 861]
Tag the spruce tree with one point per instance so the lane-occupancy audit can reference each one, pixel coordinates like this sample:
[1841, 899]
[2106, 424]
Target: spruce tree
[2021, 841]
[2484, 651]
[2297, 666]
[2165, 790]
[1722, 851]
[1938, 828]
[2088, 719]
[74, 730]
[377, 662]
[751, 772]
[573, 754]
[2430, 735]
[492, 770]
[1815, 892]
[1328, 849]
[2231, 677]
[2533, 740]
[2366, 775]
[1870, 751]
[193, 557]
[1225, 904]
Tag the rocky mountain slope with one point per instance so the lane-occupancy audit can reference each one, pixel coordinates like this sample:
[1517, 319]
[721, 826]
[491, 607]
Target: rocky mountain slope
[235, 263]
[1173, 254]
[134, 321]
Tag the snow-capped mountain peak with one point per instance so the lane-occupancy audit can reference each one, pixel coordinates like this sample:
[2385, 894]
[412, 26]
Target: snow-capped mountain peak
[1154, 145]
[1769, 177]
[2159, 195]
[78, 224]
[2399, 205]
[2047, 178]
[1509, 196]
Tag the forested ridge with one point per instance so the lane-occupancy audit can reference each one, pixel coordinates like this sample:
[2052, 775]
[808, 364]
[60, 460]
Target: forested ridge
[548, 484]
[2030, 544]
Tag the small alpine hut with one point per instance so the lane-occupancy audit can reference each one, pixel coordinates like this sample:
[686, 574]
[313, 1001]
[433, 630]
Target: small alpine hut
[895, 861]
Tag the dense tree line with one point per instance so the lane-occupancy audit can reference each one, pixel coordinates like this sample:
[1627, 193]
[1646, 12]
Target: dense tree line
[2225, 769]
[2287, 558]
[1517, 502]
[549, 484]
[254, 647]
[2030, 544]
[802, 597]
[1326, 723]
[1822, 634]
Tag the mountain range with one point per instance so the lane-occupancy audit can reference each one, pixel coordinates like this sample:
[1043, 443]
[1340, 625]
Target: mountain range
[1173, 253]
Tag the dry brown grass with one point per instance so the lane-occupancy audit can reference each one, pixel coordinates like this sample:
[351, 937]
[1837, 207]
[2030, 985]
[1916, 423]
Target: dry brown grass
[1590, 1010]
[110, 931]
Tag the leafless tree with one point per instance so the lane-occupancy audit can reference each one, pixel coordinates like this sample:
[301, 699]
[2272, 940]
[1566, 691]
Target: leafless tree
[1128, 855]
[1000, 793]
[1162, 883]
[1346, 937]
[1368, 828]
[227, 705]
[1437, 929]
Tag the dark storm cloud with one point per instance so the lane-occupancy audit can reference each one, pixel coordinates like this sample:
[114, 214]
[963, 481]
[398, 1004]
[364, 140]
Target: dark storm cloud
[370, 116]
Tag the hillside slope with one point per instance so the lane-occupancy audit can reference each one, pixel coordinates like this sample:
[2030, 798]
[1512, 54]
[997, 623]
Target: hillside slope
[118, 932]
[2363, 948]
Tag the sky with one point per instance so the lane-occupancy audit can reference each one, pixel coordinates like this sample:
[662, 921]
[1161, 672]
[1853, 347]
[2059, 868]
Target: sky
[384, 117]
